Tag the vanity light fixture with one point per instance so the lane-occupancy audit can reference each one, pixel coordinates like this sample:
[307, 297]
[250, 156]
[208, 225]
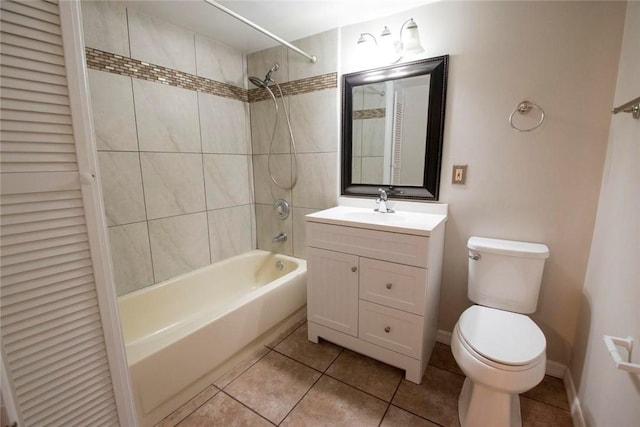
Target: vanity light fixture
[408, 44]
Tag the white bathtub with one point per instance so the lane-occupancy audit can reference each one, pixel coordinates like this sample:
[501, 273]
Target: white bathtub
[179, 331]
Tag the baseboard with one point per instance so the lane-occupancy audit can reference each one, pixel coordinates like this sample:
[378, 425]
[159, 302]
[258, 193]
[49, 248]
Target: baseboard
[443, 337]
[574, 401]
[554, 369]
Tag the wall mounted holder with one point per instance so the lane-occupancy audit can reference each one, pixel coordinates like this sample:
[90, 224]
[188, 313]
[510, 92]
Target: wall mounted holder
[611, 343]
[523, 108]
[632, 107]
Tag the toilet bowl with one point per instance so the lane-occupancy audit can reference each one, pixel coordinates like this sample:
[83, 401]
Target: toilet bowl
[502, 354]
[499, 348]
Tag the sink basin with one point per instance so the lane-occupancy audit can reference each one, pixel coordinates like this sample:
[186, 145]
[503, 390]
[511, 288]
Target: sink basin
[375, 217]
[399, 222]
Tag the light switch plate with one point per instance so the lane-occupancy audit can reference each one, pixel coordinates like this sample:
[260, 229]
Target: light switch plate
[459, 175]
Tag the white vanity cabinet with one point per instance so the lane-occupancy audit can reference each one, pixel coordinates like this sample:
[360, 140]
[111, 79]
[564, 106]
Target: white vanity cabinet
[373, 283]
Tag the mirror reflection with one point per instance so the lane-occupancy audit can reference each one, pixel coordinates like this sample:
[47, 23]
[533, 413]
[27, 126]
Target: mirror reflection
[389, 132]
[392, 129]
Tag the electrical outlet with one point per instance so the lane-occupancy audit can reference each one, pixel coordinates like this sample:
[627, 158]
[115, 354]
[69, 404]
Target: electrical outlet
[459, 174]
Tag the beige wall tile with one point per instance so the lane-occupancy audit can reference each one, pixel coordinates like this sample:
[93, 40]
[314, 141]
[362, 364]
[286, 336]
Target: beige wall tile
[105, 26]
[173, 184]
[121, 179]
[131, 256]
[113, 113]
[179, 244]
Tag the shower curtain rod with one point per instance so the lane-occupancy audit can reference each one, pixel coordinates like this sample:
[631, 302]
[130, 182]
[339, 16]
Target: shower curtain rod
[241, 18]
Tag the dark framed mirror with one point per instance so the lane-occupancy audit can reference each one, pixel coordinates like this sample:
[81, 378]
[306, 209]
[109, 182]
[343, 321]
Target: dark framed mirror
[392, 129]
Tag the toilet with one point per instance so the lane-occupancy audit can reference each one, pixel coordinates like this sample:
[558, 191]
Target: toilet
[499, 348]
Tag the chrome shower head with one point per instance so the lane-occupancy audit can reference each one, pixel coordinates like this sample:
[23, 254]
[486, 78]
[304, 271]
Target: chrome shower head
[256, 81]
[273, 69]
[264, 83]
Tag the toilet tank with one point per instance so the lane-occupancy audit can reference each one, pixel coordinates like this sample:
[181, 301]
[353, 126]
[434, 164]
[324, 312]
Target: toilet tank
[505, 274]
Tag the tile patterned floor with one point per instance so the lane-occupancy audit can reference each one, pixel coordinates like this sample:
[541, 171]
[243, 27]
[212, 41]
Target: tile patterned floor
[294, 382]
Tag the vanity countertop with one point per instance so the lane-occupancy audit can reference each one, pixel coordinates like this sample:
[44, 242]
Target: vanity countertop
[419, 224]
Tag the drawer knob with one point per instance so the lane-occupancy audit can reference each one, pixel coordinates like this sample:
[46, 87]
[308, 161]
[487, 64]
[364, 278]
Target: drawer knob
[389, 285]
[354, 269]
[387, 329]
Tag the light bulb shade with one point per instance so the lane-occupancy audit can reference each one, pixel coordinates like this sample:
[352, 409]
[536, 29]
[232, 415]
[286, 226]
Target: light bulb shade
[411, 39]
[385, 32]
[363, 39]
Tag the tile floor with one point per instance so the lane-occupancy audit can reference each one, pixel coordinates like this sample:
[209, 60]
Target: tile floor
[293, 382]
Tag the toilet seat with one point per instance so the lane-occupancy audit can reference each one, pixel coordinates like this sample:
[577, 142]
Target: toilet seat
[509, 340]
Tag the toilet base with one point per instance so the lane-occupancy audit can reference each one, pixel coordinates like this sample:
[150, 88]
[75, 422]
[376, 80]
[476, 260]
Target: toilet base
[480, 406]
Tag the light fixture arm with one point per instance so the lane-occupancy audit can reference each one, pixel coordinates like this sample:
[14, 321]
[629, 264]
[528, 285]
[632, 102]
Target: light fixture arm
[362, 39]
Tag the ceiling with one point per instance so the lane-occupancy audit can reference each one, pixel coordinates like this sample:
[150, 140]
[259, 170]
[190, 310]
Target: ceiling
[289, 19]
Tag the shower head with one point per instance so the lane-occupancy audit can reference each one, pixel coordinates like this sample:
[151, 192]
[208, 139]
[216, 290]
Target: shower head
[267, 79]
[256, 81]
[273, 69]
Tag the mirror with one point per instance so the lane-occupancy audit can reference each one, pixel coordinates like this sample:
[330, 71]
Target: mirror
[392, 129]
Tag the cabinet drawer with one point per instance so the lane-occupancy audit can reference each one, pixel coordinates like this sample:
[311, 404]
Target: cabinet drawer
[391, 329]
[395, 247]
[394, 285]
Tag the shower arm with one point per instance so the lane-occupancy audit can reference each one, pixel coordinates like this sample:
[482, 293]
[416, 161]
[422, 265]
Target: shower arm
[267, 33]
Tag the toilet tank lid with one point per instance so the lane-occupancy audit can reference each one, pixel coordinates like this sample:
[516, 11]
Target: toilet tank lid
[508, 247]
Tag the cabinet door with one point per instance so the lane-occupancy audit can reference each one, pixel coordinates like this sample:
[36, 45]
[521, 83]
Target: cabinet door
[332, 290]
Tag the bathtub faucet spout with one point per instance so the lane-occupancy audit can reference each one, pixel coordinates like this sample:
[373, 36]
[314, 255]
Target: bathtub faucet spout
[282, 237]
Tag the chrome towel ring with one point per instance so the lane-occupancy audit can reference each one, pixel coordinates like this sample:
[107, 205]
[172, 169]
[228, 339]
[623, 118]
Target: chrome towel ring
[523, 108]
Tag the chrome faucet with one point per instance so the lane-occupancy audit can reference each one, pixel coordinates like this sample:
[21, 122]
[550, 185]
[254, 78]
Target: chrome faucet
[282, 237]
[382, 202]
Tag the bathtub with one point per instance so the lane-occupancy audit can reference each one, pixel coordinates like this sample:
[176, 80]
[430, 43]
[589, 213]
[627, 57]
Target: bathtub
[178, 332]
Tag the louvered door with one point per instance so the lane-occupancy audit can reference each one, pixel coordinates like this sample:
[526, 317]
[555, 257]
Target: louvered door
[52, 337]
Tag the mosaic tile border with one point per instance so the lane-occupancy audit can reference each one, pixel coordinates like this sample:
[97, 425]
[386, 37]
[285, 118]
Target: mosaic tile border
[118, 64]
[374, 113]
[297, 87]
[125, 66]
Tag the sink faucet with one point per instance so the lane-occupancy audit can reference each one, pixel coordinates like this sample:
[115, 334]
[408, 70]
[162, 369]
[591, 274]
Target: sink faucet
[282, 237]
[382, 202]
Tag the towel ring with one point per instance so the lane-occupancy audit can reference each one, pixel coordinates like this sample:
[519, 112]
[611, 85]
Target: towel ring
[523, 108]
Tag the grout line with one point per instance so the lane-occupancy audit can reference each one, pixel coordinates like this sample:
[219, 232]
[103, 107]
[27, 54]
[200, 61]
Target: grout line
[356, 388]
[334, 360]
[249, 408]
[385, 414]
[126, 12]
[420, 416]
[287, 335]
[204, 172]
[197, 407]
[171, 152]
[546, 403]
[447, 370]
[144, 195]
[301, 398]
[178, 215]
[242, 373]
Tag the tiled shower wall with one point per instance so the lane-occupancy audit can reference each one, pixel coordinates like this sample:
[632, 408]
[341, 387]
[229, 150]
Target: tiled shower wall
[314, 122]
[175, 162]
[176, 129]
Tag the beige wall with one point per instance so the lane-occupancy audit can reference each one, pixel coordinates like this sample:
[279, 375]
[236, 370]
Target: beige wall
[611, 294]
[541, 186]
